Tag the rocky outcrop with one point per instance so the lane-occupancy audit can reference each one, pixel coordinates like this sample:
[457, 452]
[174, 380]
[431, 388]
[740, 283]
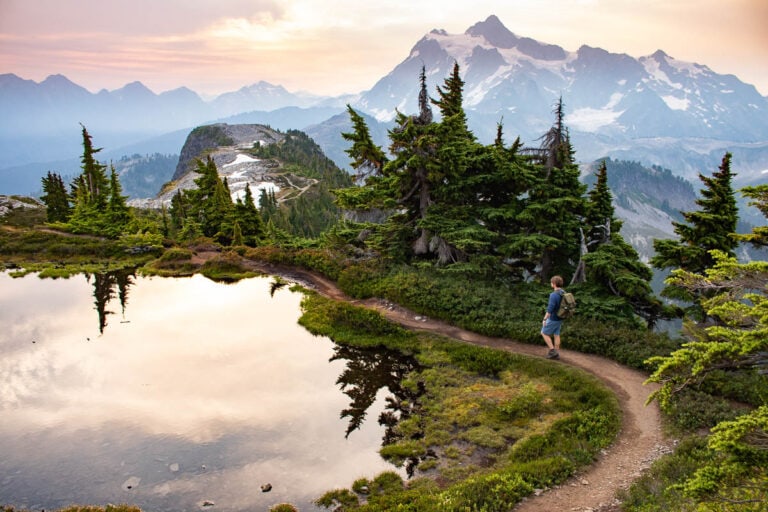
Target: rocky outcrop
[209, 138]
[229, 146]
[8, 203]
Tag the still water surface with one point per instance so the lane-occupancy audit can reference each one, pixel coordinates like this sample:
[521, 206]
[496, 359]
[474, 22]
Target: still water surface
[170, 393]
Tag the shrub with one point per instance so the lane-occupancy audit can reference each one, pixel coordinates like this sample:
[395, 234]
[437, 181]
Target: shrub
[283, 507]
[691, 410]
[226, 267]
[494, 491]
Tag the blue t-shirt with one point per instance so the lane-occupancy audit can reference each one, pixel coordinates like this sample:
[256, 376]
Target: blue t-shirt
[554, 304]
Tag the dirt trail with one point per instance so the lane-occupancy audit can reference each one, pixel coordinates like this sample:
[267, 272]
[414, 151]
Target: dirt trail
[640, 440]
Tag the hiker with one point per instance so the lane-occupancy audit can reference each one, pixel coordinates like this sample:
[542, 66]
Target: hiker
[550, 326]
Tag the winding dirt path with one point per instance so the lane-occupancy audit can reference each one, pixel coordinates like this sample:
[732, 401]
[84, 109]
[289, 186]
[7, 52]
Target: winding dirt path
[638, 444]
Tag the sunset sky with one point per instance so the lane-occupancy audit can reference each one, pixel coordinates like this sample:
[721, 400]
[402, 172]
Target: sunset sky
[344, 46]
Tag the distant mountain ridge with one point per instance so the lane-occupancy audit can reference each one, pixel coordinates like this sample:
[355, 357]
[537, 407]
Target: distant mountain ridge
[655, 109]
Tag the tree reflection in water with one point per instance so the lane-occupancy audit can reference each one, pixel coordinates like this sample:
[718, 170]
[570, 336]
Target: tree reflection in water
[104, 284]
[369, 370]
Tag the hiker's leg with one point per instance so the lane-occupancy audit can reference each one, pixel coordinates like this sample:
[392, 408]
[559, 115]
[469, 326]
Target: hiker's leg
[547, 340]
[557, 341]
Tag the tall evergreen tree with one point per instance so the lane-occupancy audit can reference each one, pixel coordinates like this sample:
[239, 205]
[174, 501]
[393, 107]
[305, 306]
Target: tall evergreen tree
[55, 198]
[248, 219]
[450, 103]
[610, 263]
[367, 158]
[118, 212]
[99, 206]
[94, 174]
[210, 204]
[551, 218]
[711, 227]
[601, 220]
[414, 170]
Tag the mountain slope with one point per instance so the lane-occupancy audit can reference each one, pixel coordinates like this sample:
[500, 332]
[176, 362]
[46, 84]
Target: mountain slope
[655, 109]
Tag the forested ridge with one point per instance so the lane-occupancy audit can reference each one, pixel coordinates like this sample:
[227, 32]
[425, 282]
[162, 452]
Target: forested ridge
[471, 234]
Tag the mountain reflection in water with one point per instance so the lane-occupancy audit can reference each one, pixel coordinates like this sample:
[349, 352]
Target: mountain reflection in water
[203, 392]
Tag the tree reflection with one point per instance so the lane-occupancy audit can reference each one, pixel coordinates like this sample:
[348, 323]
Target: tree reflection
[369, 370]
[107, 285]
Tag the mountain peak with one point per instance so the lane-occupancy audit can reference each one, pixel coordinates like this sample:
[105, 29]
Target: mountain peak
[496, 34]
[494, 31]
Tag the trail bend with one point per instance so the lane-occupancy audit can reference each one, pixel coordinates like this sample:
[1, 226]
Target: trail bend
[639, 442]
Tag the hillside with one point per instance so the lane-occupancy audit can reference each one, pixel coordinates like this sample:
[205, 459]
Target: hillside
[289, 169]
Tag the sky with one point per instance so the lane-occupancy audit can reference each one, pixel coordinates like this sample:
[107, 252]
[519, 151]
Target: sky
[332, 47]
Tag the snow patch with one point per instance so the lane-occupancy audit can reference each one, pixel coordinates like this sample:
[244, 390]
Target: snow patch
[256, 189]
[676, 103]
[591, 119]
[241, 159]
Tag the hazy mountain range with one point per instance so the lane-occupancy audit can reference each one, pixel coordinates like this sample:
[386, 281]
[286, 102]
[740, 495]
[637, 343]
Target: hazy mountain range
[654, 109]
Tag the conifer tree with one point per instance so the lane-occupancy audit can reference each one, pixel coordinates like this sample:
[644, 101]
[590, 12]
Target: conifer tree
[55, 198]
[118, 212]
[179, 210]
[94, 175]
[367, 158]
[552, 215]
[95, 210]
[759, 196]
[210, 204]
[414, 170]
[450, 103]
[709, 228]
[600, 217]
[248, 220]
[610, 263]
[731, 345]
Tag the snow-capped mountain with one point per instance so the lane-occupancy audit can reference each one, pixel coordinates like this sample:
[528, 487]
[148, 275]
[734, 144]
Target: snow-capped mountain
[613, 102]
[655, 109]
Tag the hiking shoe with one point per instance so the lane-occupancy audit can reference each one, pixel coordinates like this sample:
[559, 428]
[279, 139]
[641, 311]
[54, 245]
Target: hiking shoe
[553, 354]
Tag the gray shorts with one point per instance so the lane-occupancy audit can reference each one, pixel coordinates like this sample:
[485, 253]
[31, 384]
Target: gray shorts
[552, 327]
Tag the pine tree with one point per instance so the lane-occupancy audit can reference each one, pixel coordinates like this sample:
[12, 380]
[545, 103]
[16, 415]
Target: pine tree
[55, 198]
[94, 175]
[600, 218]
[730, 347]
[709, 228]
[118, 212]
[450, 103]
[248, 220]
[210, 204]
[367, 158]
[414, 170]
[92, 194]
[551, 218]
[179, 210]
[759, 196]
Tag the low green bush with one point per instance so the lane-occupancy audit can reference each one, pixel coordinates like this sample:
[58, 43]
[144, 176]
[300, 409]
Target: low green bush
[227, 267]
[690, 410]
[656, 490]
[488, 492]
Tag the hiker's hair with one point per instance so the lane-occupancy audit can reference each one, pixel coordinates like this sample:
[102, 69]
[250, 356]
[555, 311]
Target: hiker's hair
[557, 281]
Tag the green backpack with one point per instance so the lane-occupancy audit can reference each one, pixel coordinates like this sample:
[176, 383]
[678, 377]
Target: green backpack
[567, 305]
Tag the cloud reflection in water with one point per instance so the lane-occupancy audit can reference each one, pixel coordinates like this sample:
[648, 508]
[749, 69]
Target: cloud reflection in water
[218, 381]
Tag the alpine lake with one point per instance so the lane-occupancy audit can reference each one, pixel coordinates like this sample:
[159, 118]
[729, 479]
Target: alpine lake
[179, 394]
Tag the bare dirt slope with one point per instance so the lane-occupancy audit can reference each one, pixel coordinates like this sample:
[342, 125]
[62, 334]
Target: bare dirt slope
[640, 440]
